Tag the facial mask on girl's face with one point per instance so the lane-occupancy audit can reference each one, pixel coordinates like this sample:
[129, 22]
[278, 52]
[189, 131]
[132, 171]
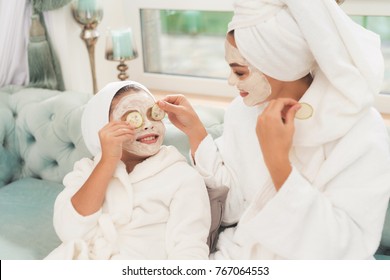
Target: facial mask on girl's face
[150, 135]
[256, 84]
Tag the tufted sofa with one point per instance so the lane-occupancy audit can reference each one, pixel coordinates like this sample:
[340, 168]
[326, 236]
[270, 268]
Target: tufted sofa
[41, 140]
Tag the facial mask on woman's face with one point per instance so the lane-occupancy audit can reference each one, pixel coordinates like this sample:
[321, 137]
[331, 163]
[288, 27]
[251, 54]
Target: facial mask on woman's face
[255, 84]
[150, 135]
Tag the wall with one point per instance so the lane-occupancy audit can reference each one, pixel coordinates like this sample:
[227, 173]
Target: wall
[72, 51]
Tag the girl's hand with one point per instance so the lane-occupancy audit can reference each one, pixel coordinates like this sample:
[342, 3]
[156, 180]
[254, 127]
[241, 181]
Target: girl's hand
[275, 130]
[112, 137]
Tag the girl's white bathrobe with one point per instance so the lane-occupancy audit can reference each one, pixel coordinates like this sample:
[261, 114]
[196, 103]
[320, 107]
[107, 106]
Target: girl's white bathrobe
[332, 205]
[160, 210]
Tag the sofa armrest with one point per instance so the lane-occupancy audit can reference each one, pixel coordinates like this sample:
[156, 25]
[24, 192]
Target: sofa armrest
[9, 160]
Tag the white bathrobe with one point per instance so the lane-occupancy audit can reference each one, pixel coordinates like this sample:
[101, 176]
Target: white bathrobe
[160, 210]
[332, 205]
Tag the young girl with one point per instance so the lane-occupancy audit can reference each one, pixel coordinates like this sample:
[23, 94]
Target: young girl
[136, 199]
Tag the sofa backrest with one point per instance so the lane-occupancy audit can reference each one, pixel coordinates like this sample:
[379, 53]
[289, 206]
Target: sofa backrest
[40, 132]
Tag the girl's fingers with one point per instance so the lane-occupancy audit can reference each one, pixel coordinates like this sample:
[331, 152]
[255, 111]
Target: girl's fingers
[115, 129]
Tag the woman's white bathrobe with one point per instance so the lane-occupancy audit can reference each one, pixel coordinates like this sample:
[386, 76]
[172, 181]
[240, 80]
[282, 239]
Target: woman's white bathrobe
[160, 210]
[332, 205]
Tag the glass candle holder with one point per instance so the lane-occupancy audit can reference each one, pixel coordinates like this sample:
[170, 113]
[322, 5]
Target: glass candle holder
[121, 47]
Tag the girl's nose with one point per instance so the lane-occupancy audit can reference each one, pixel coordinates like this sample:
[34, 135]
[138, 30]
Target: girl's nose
[147, 124]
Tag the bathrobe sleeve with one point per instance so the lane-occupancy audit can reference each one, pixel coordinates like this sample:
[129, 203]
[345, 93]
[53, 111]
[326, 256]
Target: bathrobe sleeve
[68, 223]
[339, 215]
[189, 221]
[211, 166]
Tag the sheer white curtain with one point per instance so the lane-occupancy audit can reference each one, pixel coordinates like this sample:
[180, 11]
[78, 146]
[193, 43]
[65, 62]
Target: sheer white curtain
[69, 48]
[15, 18]
[15, 21]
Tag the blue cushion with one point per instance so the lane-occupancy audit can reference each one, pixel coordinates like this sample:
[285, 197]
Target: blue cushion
[385, 242]
[26, 219]
[382, 257]
[383, 252]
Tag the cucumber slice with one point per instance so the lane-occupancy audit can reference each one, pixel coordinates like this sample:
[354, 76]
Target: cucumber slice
[305, 112]
[135, 119]
[157, 113]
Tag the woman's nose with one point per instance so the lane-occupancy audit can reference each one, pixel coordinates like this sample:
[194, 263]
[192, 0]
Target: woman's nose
[232, 80]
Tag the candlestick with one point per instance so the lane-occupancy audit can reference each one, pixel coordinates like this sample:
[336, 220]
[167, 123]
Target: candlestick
[120, 46]
[89, 13]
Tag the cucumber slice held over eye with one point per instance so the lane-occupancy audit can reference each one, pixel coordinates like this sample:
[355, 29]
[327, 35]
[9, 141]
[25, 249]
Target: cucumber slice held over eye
[157, 113]
[135, 119]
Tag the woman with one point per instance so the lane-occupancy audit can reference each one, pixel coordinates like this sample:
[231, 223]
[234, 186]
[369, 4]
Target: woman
[304, 154]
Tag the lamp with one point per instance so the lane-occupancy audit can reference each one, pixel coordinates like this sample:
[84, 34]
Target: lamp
[120, 46]
[89, 13]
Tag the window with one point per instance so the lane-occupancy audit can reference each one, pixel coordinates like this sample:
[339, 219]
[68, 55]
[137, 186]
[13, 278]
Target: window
[183, 51]
[182, 45]
[375, 15]
[189, 43]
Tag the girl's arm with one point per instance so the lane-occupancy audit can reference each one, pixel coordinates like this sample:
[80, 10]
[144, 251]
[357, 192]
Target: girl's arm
[90, 197]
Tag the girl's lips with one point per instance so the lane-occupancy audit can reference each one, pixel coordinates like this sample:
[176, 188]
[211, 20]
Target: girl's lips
[243, 94]
[148, 138]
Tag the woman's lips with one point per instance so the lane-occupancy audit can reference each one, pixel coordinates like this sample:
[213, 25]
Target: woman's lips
[148, 139]
[243, 94]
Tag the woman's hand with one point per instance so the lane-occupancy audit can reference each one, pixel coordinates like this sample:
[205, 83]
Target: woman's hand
[112, 137]
[275, 130]
[184, 117]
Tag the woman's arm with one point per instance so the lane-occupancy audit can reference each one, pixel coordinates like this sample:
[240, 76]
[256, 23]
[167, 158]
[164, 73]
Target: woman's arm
[275, 130]
[336, 214]
[205, 153]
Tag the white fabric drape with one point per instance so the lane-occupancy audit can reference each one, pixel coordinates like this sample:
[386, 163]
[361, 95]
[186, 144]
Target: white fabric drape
[15, 19]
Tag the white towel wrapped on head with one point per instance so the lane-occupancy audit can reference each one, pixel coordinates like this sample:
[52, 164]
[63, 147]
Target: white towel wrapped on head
[270, 39]
[96, 113]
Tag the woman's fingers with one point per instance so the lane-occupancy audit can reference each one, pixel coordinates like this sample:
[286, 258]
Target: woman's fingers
[281, 104]
[176, 99]
[173, 103]
[169, 107]
[281, 109]
[290, 115]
